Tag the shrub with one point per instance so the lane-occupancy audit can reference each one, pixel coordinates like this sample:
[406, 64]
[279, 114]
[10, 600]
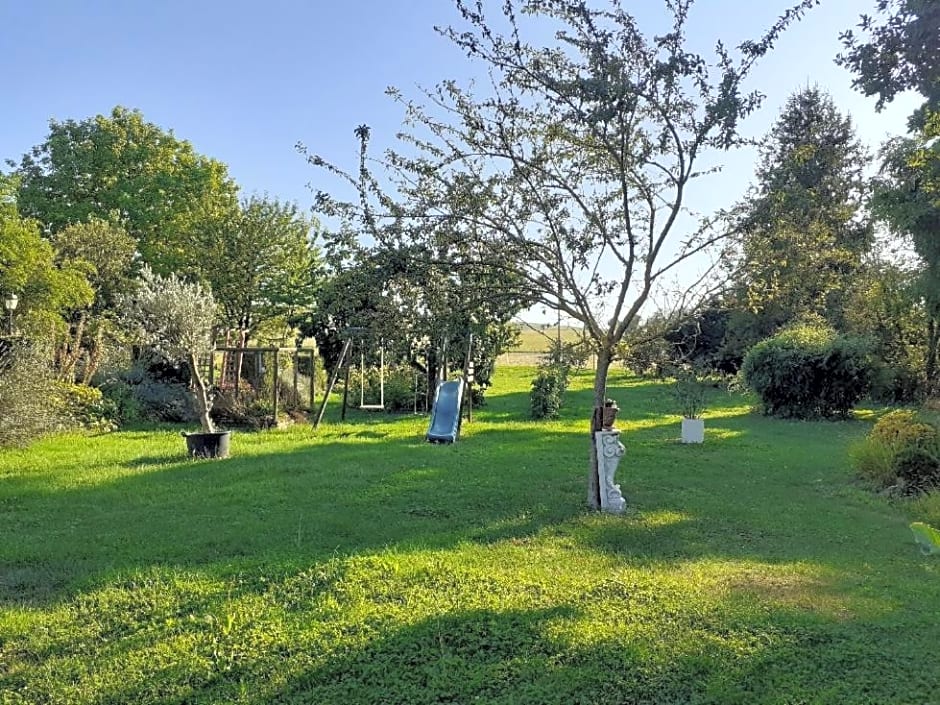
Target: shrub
[808, 371]
[901, 452]
[28, 395]
[551, 382]
[918, 469]
[548, 388]
[86, 406]
[902, 428]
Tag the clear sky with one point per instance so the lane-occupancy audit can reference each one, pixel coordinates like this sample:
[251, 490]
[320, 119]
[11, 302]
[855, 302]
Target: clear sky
[245, 81]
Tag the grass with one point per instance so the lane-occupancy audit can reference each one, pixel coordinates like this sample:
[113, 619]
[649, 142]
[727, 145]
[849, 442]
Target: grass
[358, 564]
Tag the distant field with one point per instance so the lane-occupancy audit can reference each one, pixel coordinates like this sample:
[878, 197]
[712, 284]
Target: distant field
[535, 337]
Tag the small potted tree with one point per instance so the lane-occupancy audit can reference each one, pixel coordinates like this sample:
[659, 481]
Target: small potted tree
[177, 318]
[690, 393]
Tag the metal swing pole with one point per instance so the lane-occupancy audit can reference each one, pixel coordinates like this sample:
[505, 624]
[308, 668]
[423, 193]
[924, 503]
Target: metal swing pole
[382, 374]
[362, 375]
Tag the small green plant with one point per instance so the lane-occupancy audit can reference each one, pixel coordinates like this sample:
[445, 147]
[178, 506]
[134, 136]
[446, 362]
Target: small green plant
[689, 392]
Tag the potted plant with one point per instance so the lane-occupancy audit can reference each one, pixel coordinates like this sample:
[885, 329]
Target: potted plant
[609, 414]
[177, 318]
[690, 394]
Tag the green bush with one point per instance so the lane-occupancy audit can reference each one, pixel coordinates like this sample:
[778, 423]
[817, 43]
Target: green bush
[902, 428]
[902, 452]
[86, 406]
[808, 371]
[548, 388]
[28, 395]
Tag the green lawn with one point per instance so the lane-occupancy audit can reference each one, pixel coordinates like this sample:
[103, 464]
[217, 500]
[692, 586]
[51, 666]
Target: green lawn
[358, 564]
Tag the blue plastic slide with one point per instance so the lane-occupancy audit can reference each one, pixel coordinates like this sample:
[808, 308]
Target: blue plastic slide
[445, 414]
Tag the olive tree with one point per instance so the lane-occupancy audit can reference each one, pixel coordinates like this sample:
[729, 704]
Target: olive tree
[176, 317]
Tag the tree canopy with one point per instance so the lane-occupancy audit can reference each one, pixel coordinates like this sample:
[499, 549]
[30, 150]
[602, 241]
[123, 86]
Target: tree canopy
[123, 167]
[571, 171]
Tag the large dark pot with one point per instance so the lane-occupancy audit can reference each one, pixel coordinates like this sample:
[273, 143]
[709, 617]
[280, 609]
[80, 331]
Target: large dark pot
[208, 445]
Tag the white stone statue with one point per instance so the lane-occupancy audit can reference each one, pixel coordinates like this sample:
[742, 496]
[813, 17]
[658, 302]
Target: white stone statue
[609, 452]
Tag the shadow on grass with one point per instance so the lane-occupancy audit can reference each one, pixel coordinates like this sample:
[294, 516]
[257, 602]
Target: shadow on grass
[363, 487]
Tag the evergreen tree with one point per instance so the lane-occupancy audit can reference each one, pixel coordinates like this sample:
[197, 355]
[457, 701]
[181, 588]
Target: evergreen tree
[803, 231]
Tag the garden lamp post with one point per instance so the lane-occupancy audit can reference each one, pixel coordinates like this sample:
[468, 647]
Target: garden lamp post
[10, 303]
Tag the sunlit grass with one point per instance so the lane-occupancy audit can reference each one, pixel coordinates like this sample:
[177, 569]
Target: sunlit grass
[357, 564]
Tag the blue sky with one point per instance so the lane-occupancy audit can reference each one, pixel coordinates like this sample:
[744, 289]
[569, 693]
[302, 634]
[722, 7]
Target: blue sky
[245, 81]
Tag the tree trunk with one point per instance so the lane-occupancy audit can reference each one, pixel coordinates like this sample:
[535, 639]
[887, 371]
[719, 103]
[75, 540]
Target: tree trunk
[600, 394]
[200, 394]
[930, 357]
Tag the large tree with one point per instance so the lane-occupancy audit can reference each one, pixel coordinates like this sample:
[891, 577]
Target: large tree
[571, 169]
[898, 49]
[907, 198]
[902, 52]
[260, 263]
[123, 167]
[803, 232]
[46, 289]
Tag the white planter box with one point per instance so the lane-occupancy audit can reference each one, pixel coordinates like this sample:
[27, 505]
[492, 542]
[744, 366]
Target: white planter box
[693, 430]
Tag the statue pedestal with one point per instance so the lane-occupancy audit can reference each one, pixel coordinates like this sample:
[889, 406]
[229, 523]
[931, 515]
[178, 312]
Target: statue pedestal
[609, 452]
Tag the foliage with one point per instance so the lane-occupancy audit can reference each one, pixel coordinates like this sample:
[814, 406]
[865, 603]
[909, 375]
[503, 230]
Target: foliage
[903, 427]
[907, 198]
[28, 398]
[897, 52]
[900, 453]
[122, 166]
[107, 254]
[927, 537]
[418, 309]
[885, 307]
[46, 289]
[399, 388]
[551, 381]
[176, 318]
[689, 392]
[571, 174]
[86, 406]
[260, 264]
[808, 371]
[724, 584]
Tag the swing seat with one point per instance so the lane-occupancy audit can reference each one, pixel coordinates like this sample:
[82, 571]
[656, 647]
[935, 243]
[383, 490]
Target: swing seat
[372, 407]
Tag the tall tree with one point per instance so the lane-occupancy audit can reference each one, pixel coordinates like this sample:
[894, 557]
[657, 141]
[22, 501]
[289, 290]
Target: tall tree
[899, 50]
[803, 232]
[260, 263]
[122, 166]
[907, 197]
[46, 289]
[903, 53]
[572, 170]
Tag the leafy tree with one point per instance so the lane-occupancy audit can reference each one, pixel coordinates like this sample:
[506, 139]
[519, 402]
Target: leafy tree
[572, 171]
[899, 51]
[907, 197]
[156, 184]
[106, 253]
[46, 290]
[422, 313]
[886, 307]
[177, 319]
[260, 264]
[803, 232]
